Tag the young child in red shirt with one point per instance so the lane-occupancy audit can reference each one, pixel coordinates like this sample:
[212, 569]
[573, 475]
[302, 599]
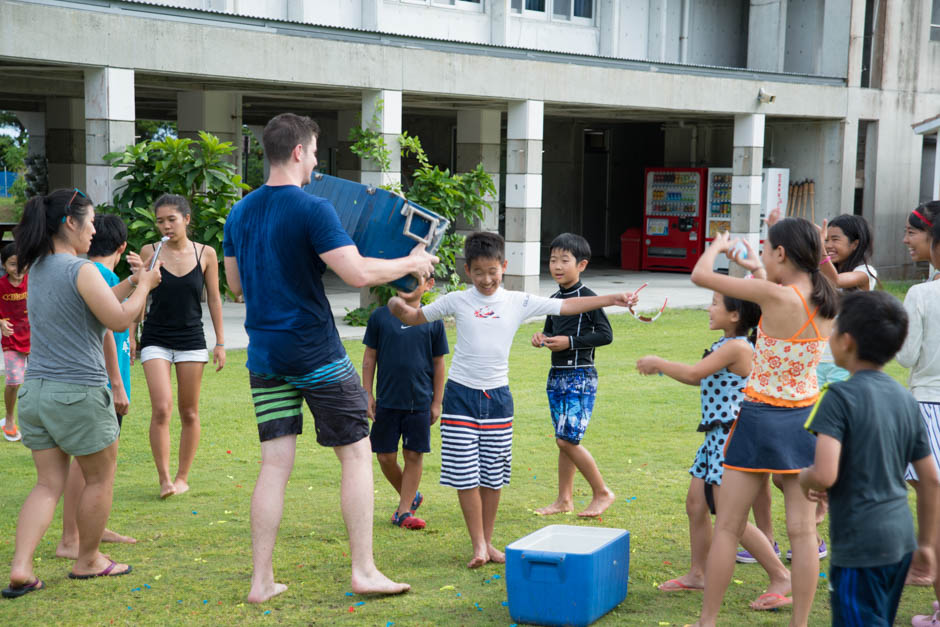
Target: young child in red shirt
[14, 326]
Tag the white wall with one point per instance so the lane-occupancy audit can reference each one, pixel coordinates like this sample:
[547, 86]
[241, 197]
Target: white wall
[718, 33]
[543, 34]
[435, 21]
[634, 29]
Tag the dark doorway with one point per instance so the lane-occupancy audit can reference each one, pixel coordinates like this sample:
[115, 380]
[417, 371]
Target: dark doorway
[595, 184]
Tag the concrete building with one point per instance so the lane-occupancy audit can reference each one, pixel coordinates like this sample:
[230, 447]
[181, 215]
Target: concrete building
[566, 100]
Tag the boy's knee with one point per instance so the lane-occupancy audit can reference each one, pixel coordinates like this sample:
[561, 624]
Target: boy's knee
[412, 457]
[387, 459]
[566, 444]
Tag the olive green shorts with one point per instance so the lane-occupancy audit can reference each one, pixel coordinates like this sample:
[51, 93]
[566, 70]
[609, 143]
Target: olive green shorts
[78, 419]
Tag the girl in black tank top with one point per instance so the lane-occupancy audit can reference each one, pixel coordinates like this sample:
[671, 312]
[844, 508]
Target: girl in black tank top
[173, 334]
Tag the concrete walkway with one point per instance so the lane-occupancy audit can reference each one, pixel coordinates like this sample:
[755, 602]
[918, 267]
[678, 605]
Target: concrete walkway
[662, 285]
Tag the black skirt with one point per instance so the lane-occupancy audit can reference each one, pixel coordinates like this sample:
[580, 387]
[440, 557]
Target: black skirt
[766, 438]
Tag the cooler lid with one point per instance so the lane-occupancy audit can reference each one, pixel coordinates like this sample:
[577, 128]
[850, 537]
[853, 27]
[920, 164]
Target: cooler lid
[567, 539]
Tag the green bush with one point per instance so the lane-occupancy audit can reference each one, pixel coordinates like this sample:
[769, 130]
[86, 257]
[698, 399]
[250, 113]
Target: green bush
[196, 170]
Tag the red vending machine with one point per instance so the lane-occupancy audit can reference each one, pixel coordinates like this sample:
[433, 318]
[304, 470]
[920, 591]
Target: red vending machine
[673, 220]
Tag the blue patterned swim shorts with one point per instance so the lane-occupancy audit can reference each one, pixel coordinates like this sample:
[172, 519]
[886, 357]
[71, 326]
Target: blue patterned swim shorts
[571, 393]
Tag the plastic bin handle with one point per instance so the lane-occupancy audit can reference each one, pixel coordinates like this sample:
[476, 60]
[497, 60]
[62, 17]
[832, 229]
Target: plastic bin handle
[410, 211]
[539, 557]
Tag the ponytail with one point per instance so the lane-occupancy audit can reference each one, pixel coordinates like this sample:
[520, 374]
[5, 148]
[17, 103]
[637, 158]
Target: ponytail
[800, 240]
[42, 219]
[748, 316]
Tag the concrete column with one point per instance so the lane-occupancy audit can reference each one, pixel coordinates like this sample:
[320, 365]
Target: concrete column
[478, 138]
[500, 12]
[257, 130]
[766, 37]
[347, 163]
[936, 171]
[608, 13]
[658, 48]
[856, 43]
[65, 142]
[524, 136]
[35, 124]
[381, 112]
[109, 127]
[216, 112]
[848, 161]
[747, 161]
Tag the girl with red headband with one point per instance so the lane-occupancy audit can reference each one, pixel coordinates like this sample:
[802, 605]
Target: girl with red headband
[921, 350]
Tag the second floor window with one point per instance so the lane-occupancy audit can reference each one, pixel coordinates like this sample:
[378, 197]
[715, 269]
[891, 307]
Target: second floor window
[568, 10]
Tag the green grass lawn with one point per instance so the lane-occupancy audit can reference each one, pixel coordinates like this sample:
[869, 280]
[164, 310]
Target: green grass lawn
[192, 563]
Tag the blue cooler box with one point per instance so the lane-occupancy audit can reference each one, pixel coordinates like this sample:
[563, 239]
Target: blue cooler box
[565, 575]
[382, 224]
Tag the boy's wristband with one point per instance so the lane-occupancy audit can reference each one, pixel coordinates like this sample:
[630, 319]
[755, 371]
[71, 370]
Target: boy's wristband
[222, 345]
[130, 279]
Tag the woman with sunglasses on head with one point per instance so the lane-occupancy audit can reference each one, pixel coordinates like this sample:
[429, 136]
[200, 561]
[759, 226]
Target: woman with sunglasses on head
[65, 407]
[173, 334]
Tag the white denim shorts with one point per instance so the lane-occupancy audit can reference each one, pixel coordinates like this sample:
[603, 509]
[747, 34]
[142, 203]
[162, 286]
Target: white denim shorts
[174, 357]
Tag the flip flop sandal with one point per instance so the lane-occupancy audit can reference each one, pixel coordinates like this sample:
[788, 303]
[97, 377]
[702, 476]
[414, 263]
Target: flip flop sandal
[14, 593]
[674, 585]
[105, 573]
[407, 521]
[416, 503]
[779, 601]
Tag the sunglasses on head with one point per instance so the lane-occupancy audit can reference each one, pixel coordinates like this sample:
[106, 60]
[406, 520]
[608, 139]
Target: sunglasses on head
[68, 205]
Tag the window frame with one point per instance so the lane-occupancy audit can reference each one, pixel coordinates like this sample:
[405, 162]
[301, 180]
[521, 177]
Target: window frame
[474, 6]
[548, 14]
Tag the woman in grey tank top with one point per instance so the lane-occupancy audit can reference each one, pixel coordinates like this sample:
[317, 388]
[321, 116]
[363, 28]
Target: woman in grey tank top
[65, 407]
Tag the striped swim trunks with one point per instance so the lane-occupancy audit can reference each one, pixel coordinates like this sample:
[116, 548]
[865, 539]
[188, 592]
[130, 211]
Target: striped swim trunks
[333, 393]
[476, 437]
[930, 412]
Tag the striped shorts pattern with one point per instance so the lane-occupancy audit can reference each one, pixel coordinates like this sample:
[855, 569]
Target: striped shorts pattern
[476, 437]
[930, 412]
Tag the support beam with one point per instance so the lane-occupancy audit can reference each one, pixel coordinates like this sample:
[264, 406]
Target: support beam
[35, 124]
[381, 112]
[936, 170]
[109, 127]
[524, 136]
[65, 142]
[216, 112]
[747, 164]
[478, 141]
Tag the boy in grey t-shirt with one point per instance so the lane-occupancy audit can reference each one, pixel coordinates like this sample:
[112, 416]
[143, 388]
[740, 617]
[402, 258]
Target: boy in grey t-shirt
[869, 428]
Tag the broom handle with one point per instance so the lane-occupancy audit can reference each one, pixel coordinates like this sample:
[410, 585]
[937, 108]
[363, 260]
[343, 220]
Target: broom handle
[812, 200]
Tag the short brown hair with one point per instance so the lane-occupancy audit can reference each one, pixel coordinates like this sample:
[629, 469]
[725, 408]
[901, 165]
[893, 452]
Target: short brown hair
[284, 132]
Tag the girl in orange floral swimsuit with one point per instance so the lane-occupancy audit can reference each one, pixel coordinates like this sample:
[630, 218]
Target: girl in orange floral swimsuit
[799, 304]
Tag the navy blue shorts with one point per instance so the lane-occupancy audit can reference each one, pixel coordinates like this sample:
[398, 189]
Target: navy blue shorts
[413, 427]
[476, 437]
[867, 597]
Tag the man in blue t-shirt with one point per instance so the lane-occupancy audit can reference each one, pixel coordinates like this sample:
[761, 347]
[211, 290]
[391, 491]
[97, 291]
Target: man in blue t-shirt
[278, 242]
[410, 396]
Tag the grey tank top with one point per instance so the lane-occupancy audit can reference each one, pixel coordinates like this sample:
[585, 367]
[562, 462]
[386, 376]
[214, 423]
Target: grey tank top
[66, 338]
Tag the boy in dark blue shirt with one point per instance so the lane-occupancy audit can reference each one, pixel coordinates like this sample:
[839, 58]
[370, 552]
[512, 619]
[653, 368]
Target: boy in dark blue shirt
[409, 395]
[868, 430]
[572, 381]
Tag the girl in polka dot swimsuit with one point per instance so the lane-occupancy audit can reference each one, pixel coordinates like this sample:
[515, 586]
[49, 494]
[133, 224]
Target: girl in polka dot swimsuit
[798, 305]
[720, 375]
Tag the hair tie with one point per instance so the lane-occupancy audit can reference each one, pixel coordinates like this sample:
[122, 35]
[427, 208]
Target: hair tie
[923, 218]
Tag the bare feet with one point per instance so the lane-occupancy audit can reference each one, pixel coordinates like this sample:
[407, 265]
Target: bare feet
[180, 486]
[377, 583]
[598, 504]
[558, 507]
[477, 561]
[495, 555]
[66, 551]
[114, 536]
[263, 593]
[167, 489]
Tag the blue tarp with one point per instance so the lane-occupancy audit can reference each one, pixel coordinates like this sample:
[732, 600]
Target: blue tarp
[6, 181]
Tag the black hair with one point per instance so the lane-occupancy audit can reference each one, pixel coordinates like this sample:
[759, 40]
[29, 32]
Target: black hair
[800, 240]
[856, 229]
[574, 244]
[876, 321]
[110, 233]
[284, 132]
[173, 200]
[43, 218]
[929, 210]
[7, 251]
[748, 316]
[484, 245]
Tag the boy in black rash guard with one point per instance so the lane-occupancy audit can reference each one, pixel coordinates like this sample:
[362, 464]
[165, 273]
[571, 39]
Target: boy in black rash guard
[572, 381]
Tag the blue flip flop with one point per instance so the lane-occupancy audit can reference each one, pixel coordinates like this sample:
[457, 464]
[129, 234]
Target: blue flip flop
[416, 503]
[14, 593]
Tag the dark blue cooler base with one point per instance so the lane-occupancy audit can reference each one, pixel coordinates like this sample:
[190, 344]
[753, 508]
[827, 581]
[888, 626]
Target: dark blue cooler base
[566, 575]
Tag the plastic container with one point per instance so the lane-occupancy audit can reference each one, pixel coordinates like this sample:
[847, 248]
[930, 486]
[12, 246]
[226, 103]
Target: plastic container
[630, 251]
[566, 575]
[382, 224]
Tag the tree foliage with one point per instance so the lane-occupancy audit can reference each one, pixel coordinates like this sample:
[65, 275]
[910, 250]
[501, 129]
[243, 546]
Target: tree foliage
[195, 169]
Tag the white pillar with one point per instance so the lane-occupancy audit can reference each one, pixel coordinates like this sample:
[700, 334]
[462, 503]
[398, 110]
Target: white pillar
[65, 142]
[216, 112]
[936, 170]
[478, 141]
[35, 124]
[109, 127]
[524, 133]
[381, 112]
[747, 164]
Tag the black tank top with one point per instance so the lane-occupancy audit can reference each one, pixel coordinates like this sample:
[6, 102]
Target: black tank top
[174, 320]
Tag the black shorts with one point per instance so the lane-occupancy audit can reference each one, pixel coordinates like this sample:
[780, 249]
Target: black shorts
[413, 427]
[338, 408]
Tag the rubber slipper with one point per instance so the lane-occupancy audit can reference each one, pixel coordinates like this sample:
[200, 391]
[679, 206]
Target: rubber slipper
[416, 503]
[13, 593]
[674, 585]
[778, 601]
[105, 573]
[407, 521]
